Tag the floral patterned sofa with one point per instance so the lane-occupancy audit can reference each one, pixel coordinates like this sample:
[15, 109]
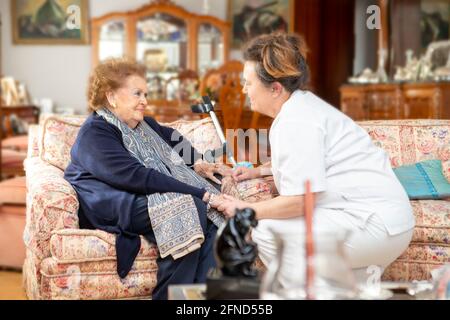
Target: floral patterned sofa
[408, 142]
[65, 262]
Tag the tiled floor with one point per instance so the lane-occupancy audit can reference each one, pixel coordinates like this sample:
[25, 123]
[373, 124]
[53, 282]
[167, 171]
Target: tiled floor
[11, 286]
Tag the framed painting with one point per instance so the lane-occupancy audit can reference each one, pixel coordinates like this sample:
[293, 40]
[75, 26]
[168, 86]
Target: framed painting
[50, 22]
[250, 18]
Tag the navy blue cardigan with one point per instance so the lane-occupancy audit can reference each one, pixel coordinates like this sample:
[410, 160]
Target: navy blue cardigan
[108, 179]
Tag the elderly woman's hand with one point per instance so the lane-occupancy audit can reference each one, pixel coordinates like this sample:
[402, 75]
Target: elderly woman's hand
[243, 173]
[207, 170]
[228, 205]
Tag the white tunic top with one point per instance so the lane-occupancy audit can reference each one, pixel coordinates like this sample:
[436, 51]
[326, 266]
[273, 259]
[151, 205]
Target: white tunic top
[311, 139]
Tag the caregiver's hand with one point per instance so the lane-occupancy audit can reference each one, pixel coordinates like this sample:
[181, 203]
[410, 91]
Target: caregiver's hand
[244, 173]
[207, 170]
[228, 205]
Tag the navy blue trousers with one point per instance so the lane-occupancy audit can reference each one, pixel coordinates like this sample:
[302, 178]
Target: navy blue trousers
[191, 268]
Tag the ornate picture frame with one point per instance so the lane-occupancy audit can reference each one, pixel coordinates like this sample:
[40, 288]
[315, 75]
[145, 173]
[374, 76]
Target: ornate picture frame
[50, 22]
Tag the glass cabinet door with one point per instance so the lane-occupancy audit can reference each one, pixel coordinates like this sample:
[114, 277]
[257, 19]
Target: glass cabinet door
[162, 47]
[162, 43]
[112, 40]
[210, 48]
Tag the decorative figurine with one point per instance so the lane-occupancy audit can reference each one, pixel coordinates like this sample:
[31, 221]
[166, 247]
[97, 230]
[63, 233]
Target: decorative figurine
[234, 277]
[234, 253]
[381, 71]
[366, 76]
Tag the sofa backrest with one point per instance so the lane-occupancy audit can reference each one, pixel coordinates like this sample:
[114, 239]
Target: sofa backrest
[56, 134]
[406, 141]
[411, 141]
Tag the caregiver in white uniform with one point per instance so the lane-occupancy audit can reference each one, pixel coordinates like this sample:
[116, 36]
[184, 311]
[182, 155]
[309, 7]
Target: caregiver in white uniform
[354, 185]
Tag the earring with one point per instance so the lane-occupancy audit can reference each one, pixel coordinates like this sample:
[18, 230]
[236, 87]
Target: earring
[113, 105]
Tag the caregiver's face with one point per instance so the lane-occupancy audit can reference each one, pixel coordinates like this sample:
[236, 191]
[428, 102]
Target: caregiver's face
[260, 95]
[131, 101]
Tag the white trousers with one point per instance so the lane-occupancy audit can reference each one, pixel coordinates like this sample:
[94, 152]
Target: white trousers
[368, 244]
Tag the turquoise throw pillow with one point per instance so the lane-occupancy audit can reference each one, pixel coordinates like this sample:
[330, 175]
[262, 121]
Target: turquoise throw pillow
[424, 180]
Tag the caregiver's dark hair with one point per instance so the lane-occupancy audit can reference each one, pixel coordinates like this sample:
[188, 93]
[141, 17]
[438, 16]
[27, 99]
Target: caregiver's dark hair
[279, 57]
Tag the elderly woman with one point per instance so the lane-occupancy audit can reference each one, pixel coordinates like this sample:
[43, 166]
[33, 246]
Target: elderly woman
[131, 182]
[354, 185]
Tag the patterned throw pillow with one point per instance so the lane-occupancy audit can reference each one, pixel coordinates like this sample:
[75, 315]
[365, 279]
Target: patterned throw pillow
[424, 180]
[200, 133]
[57, 137]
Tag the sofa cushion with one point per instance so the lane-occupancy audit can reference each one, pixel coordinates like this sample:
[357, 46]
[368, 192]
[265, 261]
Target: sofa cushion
[417, 262]
[58, 136]
[12, 223]
[411, 141]
[75, 245]
[12, 158]
[432, 221]
[13, 191]
[96, 280]
[430, 246]
[201, 133]
[18, 143]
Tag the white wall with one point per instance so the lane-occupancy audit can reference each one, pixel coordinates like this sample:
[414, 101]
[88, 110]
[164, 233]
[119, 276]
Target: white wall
[61, 72]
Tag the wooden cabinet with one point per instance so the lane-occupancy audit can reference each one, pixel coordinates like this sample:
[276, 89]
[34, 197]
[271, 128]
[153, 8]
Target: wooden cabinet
[396, 101]
[171, 42]
[164, 36]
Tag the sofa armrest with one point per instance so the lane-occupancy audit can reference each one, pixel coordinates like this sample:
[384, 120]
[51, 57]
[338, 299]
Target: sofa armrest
[52, 204]
[33, 138]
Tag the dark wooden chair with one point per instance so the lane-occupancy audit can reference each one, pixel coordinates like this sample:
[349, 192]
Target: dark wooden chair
[224, 85]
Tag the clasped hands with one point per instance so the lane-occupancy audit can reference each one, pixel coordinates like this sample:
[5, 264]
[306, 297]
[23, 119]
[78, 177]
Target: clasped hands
[224, 203]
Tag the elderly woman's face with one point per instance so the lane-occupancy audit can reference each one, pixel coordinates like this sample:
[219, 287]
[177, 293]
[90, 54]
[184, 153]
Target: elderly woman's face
[129, 101]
